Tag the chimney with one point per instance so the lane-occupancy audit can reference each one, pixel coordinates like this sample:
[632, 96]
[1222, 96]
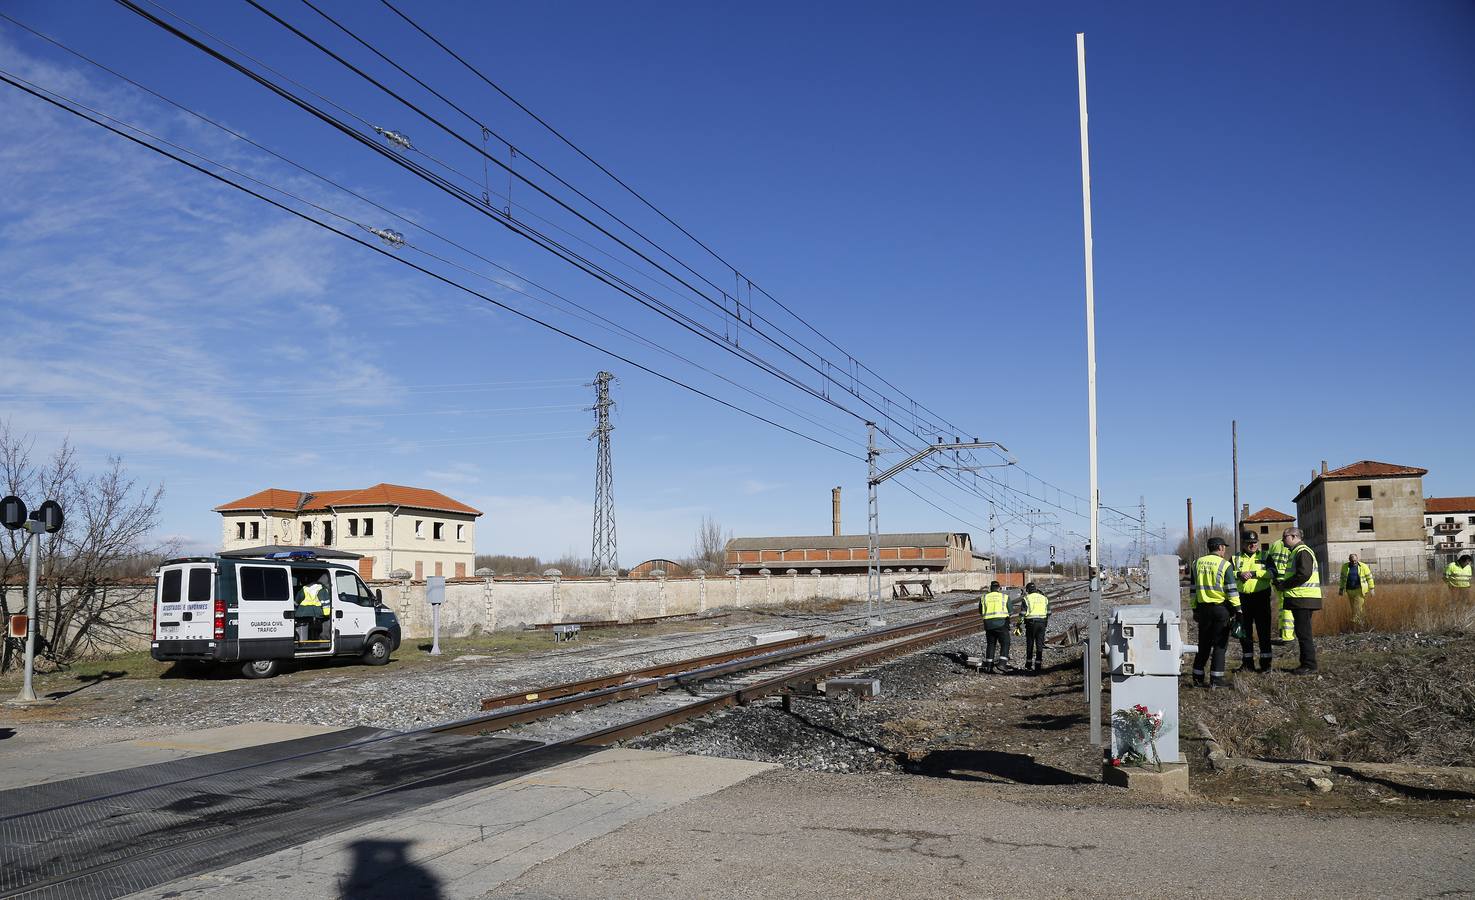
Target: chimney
[1244, 513]
[835, 512]
[1323, 467]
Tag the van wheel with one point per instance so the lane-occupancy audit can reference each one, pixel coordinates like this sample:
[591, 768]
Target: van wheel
[261, 668]
[376, 651]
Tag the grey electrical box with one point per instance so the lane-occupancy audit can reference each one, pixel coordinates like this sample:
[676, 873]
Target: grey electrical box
[1144, 650]
[435, 590]
[1163, 583]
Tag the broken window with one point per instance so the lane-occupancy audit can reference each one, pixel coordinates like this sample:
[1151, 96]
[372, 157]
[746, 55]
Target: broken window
[306, 532]
[437, 532]
[1364, 492]
[368, 528]
[1364, 523]
[255, 531]
[353, 527]
[420, 528]
[240, 531]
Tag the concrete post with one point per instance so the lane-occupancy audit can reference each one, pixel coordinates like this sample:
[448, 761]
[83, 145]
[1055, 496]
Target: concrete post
[701, 591]
[489, 603]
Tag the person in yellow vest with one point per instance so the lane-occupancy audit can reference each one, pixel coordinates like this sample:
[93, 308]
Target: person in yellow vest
[1300, 590]
[1278, 564]
[1254, 603]
[994, 606]
[1034, 616]
[1357, 583]
[1214, 594]
[1457, 574]
[312, 609]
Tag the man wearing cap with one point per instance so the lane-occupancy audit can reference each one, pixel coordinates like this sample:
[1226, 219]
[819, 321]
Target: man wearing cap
[1300, 591]
[994, 607]
[1214, 594]
[1035, 617]
[1254, 603]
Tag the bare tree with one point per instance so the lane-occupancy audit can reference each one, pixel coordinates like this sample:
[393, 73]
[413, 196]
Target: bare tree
[1188, 551]
[710, 548]
[86, 603]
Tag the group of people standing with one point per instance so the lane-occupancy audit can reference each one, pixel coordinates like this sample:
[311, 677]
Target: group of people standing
[1034, 616]
[1241, 588]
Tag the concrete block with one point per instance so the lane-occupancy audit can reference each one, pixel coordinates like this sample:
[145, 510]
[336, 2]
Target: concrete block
[864, 688]
[1172, 781]
[770, 637]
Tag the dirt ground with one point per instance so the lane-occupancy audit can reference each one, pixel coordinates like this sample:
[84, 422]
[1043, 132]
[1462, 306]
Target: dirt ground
[1028, 734]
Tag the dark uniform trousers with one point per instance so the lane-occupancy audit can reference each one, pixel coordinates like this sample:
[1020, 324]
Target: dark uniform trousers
[1254, 621]
[996, 638]
[1214, 624]
[1034, 640]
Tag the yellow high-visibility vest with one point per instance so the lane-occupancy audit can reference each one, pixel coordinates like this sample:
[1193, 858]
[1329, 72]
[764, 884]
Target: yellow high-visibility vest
[1279, 557]
[1209, 580]
[310, 594]
[1036, 605]
[1457, 577]
[1254, 563]
[1364, 575]
[994, 605]
[1312, 588]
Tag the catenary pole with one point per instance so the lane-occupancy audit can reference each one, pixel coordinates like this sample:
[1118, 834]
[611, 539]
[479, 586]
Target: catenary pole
[1234, 453]
[1093, 637]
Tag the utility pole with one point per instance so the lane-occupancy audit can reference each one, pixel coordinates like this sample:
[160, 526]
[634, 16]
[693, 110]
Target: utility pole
[605, 553]
[1142, 533]
[1093, 637]
[1234, 452]
[873, 525]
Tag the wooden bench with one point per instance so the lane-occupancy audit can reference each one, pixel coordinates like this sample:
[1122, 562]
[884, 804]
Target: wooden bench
[901, 590]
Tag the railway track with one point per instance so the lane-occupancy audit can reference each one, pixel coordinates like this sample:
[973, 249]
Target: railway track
[113, 834]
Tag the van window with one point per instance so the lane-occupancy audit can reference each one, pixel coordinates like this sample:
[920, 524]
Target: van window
[351, 590]
[264, 583]
[169, 589]
[199, 584]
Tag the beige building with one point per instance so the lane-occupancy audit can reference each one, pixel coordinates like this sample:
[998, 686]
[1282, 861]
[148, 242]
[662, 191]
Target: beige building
[1267, 524]
[420, 531]
[1373, 509]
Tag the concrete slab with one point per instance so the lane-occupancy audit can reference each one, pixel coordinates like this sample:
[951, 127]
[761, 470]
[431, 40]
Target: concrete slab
[25, 769]
[471, 844]
[1172, 781]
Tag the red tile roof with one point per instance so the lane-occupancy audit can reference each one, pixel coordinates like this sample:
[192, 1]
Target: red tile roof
[1449, 504]
[1369, 468]
[1365, 468]
[1270, 515]
[379, 495]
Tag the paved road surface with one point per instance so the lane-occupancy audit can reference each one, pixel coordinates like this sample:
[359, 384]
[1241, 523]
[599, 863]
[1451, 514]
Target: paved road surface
[787, 834]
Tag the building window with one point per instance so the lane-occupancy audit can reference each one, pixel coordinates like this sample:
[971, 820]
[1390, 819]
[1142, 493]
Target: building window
[240, 531]
[438, 568]
[1364, 492]
[1364, 523]
[1449, 520]
[438, 532]
[420, 529]
[460, 532]
[1264, 529]
[255, 531]
[1428, 521]
[353, 527]
[306, 532]
[1472, 521]
[368, 528]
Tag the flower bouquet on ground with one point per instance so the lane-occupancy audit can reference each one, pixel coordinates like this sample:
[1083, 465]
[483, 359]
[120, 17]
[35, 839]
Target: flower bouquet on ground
[1137, 730]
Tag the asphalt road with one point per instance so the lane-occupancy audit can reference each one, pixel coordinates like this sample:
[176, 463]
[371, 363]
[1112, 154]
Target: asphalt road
[787, 834]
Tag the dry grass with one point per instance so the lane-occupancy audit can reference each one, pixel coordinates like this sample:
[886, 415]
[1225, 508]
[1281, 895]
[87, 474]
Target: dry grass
[1392, 608]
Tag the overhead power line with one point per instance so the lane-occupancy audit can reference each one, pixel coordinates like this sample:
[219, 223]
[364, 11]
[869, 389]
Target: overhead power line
[62, 102]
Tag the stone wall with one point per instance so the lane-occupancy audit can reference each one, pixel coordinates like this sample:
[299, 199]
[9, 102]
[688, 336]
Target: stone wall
[490, 604]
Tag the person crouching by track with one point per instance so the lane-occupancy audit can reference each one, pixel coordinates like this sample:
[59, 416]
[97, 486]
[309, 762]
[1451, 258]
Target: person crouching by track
[995, 609]
[1215, 597]
[1034, 616]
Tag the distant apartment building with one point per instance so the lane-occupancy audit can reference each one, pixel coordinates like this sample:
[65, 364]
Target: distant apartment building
[1449, 527]
[393, 527]
[847, 554]
[1374, 509]
[1267, 524]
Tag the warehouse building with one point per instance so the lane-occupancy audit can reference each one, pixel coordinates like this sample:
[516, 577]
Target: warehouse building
[938, 551]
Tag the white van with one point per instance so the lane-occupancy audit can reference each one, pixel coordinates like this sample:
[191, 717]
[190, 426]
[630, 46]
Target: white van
[255, 608]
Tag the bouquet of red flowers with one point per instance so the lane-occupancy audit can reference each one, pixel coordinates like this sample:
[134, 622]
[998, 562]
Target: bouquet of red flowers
[1136, 727]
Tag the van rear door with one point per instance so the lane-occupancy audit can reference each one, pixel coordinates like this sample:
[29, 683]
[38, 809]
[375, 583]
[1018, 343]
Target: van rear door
[183, 603]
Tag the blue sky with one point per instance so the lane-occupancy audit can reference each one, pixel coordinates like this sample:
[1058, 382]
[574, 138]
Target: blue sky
[1277, 188]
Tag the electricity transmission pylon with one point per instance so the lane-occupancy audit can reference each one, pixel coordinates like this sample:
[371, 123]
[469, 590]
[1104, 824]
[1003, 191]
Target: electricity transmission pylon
[605, 553]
